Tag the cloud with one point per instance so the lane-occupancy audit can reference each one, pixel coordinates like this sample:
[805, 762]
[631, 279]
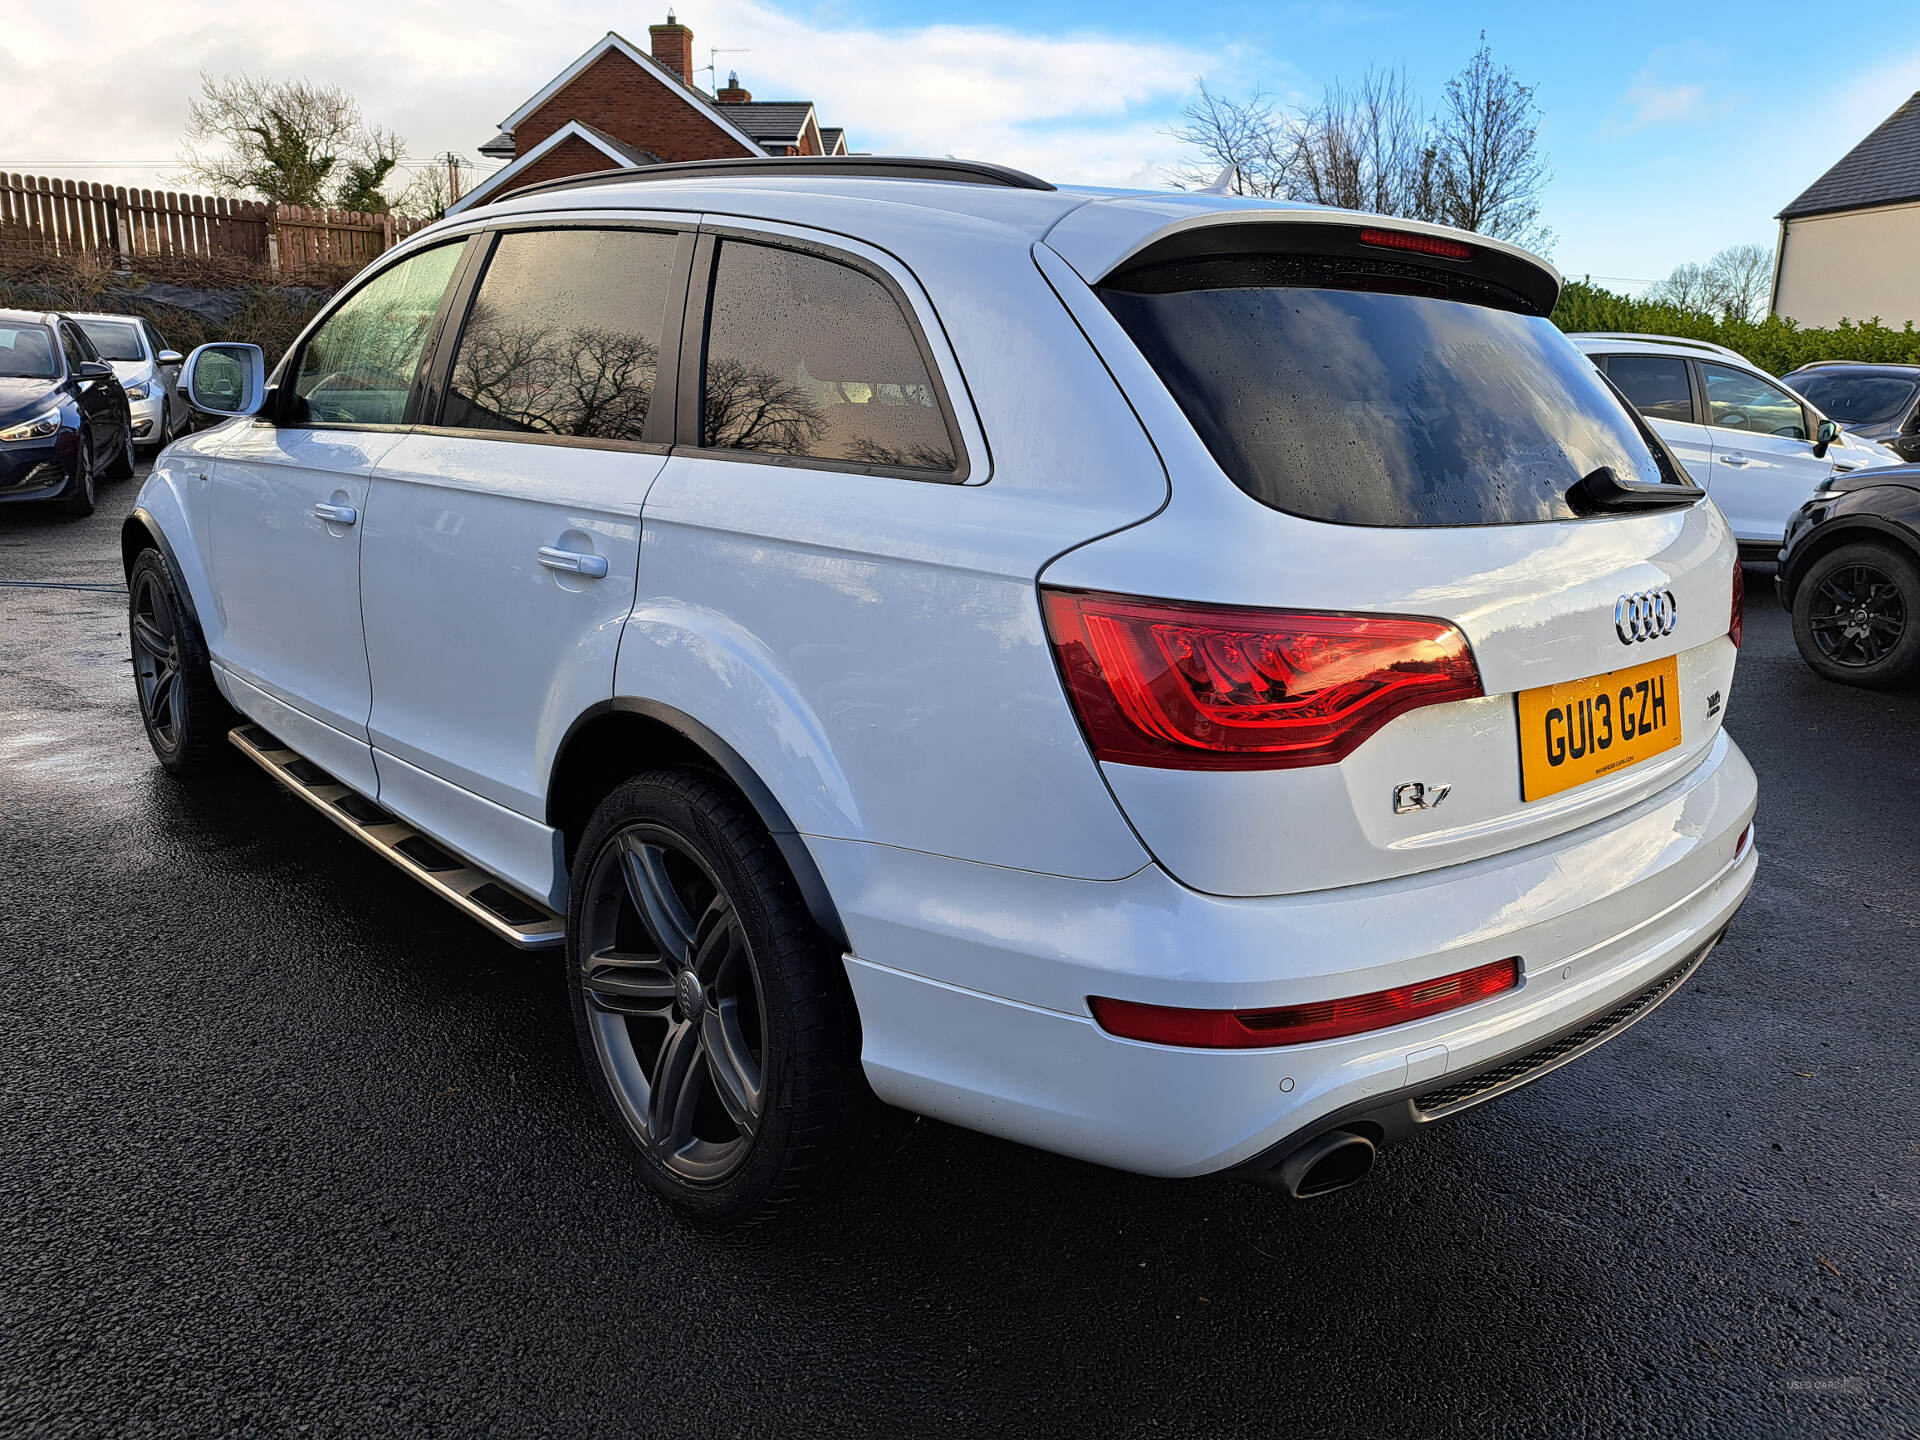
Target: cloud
[1649, 102]
[1087, 105]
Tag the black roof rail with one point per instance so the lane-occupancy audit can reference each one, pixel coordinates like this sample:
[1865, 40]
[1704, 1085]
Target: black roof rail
[864, 167]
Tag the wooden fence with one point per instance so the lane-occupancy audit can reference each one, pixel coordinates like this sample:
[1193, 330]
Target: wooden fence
[122, 226]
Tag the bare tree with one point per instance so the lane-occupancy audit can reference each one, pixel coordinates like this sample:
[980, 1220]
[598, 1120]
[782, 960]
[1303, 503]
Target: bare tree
[1241, 139]
[286, 140]
[1362, 149]
[1733, 284]
[1686, 287]
[1475, 163]
[427, 195]
[1490, 168]
[1740, 280]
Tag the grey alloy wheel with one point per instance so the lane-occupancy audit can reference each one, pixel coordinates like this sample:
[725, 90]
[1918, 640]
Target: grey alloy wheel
[675, 1003]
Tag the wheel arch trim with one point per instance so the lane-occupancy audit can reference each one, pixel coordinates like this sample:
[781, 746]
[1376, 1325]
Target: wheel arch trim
[141, 523]
[742, 776]
[1846, 528]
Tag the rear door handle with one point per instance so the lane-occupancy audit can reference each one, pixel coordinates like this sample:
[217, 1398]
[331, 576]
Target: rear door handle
[594, 567]
[337, 514]
[1736, 460]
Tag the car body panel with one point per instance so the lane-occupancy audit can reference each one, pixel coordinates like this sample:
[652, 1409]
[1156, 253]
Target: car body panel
[287, 581]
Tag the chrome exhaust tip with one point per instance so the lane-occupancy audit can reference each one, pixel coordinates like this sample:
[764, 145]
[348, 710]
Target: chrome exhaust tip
[1324, 1164]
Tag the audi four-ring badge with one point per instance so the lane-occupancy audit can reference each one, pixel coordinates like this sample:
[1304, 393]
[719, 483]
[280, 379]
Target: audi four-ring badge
[1646, 615]
[1044, 593]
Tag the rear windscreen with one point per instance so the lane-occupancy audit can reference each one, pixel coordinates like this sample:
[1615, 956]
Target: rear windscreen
[1379, 396]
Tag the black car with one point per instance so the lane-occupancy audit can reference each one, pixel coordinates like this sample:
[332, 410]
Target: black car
[1850, 576]
[1875, 402]
[64, 419]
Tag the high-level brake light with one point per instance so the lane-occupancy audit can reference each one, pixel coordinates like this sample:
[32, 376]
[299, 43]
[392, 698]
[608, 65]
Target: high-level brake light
[1205, 687]
[1419, 244]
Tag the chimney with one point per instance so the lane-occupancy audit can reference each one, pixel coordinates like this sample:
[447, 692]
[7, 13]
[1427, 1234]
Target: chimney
[673, 47]
[733, 94]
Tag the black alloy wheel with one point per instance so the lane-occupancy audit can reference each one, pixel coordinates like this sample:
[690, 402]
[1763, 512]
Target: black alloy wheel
[78, 498]
[675, 1003]
[1856, 615]
[155, 631]
[713, 1013]
[185, 716]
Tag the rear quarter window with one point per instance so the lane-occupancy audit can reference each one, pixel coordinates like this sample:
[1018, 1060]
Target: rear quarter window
[1380, 396]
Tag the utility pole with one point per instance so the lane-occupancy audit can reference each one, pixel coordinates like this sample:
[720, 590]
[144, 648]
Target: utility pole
[454, 162]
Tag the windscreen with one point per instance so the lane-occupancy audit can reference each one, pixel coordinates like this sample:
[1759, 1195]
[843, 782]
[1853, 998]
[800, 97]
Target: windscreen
[26, 353]
[1857, 399]
[114, 339]
[1380, 397]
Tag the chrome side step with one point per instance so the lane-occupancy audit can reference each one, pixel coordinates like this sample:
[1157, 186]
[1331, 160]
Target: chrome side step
[513, 918]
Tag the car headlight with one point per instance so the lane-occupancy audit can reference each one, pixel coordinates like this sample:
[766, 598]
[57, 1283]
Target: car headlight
[38, 428]
[139, 390]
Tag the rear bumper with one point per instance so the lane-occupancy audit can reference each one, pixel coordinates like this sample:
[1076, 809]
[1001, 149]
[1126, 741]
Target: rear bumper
[972, 982]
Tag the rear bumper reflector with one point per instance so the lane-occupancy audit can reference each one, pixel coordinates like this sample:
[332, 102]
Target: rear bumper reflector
[1299, 1024]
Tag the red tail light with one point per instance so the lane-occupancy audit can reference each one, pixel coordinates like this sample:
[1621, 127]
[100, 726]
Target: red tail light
[1202, 687]
[1297, 1024]
[1418, 244]
[1737, 620]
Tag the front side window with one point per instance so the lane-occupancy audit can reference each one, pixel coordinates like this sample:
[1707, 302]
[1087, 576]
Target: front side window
[70, 342]
[114, 339]
[809, 357]
[564, 335]
[1369, 396]
[358, 367]
[1737, 400]
[26, 353]
[1656, 384]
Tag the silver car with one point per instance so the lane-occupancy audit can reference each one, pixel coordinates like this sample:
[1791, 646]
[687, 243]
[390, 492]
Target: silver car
[147, 370]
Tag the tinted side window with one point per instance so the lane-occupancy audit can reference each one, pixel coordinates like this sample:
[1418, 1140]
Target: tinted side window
[564, 335]
[809, 357]
[1739, 401]
[358, 368]
[1656, 384]
[70, 342]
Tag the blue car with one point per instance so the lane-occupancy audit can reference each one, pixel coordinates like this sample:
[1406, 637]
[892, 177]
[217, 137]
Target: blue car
[64, 418]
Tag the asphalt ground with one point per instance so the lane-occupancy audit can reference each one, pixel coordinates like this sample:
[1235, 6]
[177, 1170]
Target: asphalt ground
[288, 1146]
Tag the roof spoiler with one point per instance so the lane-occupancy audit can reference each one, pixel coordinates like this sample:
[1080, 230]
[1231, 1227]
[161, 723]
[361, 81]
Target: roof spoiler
[1107, 239]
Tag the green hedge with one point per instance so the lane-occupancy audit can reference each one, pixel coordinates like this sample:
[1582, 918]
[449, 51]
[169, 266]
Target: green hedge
[1775, 345]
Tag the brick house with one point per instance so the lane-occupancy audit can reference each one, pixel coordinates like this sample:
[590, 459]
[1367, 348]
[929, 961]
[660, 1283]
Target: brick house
[620, 105]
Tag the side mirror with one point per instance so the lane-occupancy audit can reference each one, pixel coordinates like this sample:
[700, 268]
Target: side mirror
[169, 358]
[1823, 437]
[226, 379]
[93, 370]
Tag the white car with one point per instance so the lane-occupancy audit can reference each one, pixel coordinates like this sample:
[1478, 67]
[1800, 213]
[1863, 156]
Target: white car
[1758, 447]
[147, 370]
[1179, 682]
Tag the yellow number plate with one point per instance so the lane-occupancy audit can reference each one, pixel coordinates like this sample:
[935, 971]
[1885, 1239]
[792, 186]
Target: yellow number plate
[1580, 730]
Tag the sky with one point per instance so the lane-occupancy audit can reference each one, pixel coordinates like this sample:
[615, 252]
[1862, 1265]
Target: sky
[1672, 130]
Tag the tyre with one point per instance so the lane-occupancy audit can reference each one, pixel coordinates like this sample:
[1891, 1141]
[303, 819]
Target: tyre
[77, 499]
[713, 1014]
[186, 717]
[120, 466]
[1856, 615]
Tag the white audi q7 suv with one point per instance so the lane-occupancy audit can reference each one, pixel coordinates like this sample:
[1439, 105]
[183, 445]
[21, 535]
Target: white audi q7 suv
[1187, 683]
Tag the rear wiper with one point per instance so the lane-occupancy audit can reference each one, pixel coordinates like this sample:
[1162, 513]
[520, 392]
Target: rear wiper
[1603, 490]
